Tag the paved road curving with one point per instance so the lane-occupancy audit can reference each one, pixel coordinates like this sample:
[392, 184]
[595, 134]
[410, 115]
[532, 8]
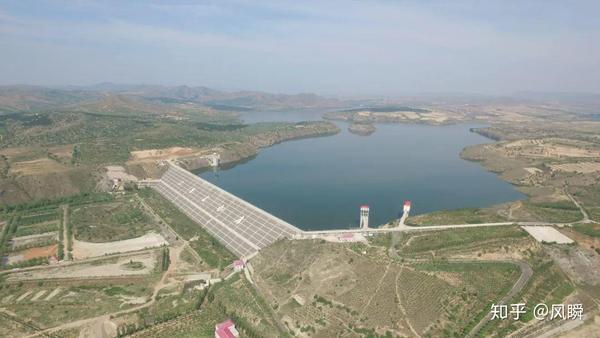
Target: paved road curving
[526, 273]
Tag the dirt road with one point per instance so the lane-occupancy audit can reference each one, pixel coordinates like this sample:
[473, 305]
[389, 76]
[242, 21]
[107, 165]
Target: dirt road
[586, 217]
[98, 321]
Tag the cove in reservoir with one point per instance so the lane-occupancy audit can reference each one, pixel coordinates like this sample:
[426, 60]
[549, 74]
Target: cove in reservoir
[320, 183]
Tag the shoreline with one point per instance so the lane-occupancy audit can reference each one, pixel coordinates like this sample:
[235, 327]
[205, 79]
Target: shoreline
[467, 128]
[233, 153]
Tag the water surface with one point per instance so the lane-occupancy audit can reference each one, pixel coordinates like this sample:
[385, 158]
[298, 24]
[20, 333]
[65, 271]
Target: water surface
[319, 183]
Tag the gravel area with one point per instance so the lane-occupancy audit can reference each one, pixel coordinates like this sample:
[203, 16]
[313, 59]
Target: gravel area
[83, 249]
[547, 234]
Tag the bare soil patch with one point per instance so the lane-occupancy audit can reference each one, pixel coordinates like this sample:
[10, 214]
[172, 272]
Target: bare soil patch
[40, 166]
[579, 167]
[45, 251]
[21, 153]
[83, 250]
[119, 173]
[582, 265]
[163, 154]
[63, 152]
[109, 268]
[41, 252]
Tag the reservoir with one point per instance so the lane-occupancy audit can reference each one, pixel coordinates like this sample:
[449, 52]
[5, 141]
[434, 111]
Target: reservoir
[320, 183]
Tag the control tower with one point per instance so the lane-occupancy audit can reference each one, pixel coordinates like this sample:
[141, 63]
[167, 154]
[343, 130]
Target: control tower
[406, 210]
[364, 216]
[406, 207]
[214, 159]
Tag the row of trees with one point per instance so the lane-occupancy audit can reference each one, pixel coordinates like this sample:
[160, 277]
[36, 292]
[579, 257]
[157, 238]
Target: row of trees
[28, 263]
[61, 237]
[76, 154]
[147, 321]
[129, 329]
[243, 325]
[78, 199]
[204, 298]
[7, 232]
[166, 259]
[35, 244]
[69, 226]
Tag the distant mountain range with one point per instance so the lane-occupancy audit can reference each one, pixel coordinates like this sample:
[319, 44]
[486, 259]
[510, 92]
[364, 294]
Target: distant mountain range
[155, 99]
[149, 98]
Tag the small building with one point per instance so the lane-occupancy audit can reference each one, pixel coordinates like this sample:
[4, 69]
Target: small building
[226, 329]
[53, 259]
[116, 184]
[238, 265]
[214, 159]
[196, 281]
[346, 238]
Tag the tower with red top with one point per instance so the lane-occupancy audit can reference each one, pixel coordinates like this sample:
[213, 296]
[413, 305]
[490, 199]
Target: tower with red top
[406, 207]
[364, 216]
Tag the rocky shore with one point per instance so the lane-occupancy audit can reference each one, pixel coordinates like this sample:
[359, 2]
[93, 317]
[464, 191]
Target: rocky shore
[233, 152]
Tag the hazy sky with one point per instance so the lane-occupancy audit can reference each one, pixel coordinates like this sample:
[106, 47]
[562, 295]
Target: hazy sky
[328, 47]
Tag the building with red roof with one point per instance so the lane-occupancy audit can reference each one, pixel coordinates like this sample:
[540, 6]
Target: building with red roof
[226, 329]
[346, 238]
[407, 204]
[238, 265]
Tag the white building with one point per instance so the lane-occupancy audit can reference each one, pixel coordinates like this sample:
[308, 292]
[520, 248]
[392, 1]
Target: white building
[364, 216]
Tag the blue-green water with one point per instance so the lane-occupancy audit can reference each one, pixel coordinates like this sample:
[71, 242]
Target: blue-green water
[320, 183]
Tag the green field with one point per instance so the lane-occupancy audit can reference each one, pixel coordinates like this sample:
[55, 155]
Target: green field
[555, 212]
[23, 223]
[36, 229]
[37, 217]
[40, 217]
[590, 229]
[457, 216]
[42, 206]
[119, 220]
[594, 214]
[457, 238]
